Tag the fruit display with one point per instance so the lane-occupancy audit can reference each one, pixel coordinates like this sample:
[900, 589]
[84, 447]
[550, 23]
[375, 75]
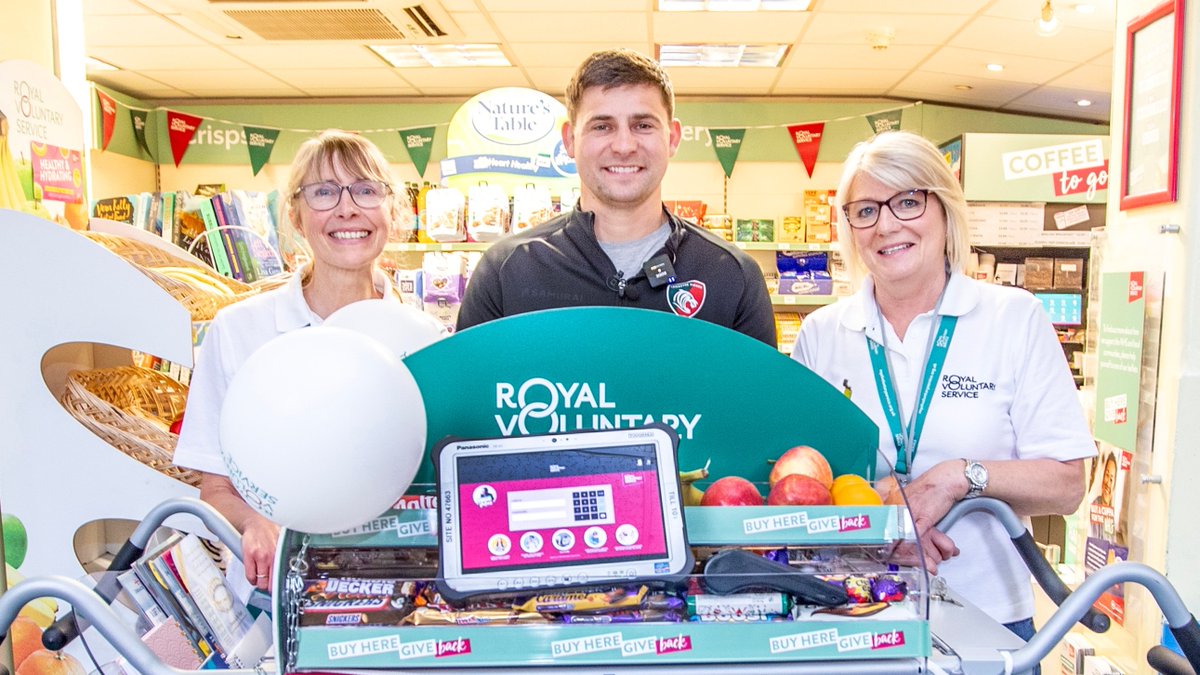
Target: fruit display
[798, 490]
[46, 662]
[805, 461]
[732, 491]
[691, 494]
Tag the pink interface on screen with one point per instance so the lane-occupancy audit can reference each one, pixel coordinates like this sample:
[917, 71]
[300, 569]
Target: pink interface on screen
[572, 519]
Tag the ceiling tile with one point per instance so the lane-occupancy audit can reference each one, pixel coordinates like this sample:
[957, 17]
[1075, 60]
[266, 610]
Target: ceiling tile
[553, 81]
[820, 80]
[307, 55]
[564, 6]
[245, 78]
[1102, 19]
[343, 78]
[909, 29]
[1009, 36]
[583, 26]
[157, 58]
[941, 87]
[360, 92]
[249, 92]
[93, 8]
[858, 57]
[911, 6]
[1087, 77]
[146, 30]
[135, 84]
[564, 54]
[1017, 68]
[728, 27]
[475, 27]
[706, 80]
[1047, 99]
[463, 79]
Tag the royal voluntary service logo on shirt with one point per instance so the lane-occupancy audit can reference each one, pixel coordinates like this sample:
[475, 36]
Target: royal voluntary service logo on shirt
[964, 386]
[686, 297]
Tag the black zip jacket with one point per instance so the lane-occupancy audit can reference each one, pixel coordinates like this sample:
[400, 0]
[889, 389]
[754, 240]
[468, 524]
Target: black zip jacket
[560, 264]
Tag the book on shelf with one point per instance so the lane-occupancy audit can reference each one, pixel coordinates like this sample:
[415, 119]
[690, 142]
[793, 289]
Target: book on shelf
[229, 238]
[141, 597]
[252, 210]
[120, 209]
[216, 245]
[189, 226]
[167, 215]
[227, 618]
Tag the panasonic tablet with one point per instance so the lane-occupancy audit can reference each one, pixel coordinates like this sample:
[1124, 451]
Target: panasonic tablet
[576, 509]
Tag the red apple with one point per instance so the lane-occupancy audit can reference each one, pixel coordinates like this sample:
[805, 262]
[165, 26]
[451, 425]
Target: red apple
[797, 490]
[177, 425]
[805, 461]
[731, 491]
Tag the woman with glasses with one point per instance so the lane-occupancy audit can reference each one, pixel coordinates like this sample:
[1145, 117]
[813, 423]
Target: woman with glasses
[341, 200]
[966, 380]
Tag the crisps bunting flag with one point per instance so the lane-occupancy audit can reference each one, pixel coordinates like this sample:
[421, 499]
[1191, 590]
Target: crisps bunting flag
[260, 142]
[138, 119]
[807, 138]
[108, 115]
[727, 143]
[419, 143]
[180, 129]
[884, 121]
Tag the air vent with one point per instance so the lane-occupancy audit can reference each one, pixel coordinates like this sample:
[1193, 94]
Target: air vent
[317, 24]
[422, 22]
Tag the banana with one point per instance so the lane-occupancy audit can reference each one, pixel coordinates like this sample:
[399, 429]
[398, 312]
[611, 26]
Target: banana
[687, 479]
[197, 279]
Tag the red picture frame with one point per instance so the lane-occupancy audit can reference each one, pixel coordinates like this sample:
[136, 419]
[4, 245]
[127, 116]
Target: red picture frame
[1153, 75]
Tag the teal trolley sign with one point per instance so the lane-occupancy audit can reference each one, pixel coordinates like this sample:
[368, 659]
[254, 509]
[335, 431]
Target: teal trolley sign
[732, 399]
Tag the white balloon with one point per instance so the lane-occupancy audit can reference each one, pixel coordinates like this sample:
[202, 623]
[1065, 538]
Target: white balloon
[322, 429]
[400, 328]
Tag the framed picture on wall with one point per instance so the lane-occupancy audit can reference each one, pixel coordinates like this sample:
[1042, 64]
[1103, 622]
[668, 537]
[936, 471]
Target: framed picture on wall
[1153, 65]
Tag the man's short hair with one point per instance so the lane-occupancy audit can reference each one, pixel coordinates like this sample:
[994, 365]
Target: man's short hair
[618, 68]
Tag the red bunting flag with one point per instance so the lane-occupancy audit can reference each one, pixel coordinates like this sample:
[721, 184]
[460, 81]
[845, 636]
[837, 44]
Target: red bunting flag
[108, 117]
[180, 129]
[807, 138]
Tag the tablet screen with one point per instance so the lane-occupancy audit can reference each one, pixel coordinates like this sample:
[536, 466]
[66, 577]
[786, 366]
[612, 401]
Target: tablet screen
[560, 507]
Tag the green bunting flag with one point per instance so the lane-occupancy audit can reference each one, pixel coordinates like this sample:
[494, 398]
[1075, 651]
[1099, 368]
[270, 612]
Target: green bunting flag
[727, 143]
[260, 142]
[138, 119]
[884, 121]
[419, 143]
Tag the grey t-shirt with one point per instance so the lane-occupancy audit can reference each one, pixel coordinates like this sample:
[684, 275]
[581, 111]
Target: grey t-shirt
[629, 256]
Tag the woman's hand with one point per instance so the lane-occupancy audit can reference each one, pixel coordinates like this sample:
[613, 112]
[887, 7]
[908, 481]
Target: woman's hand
[259, 541]
[259, 535]
[932, 494]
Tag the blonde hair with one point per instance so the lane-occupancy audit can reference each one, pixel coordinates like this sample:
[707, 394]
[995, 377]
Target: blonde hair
[334, 147]
[903, 160]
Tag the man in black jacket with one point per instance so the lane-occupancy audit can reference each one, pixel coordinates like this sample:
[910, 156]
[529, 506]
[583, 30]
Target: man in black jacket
[619, 246]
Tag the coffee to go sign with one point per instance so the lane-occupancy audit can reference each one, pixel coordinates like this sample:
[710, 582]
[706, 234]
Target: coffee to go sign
[1078, 167]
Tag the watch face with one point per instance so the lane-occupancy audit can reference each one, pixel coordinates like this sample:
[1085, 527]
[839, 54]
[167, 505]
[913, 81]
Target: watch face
[977, 474]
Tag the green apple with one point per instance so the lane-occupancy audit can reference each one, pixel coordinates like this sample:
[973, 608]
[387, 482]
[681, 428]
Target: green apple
[16, 541]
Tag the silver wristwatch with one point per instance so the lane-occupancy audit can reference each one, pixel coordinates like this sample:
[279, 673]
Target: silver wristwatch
[977, 478]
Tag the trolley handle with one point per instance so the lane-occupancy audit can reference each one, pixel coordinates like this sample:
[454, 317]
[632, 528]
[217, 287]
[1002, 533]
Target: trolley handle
[1039, 567]
[65, 629]
[1167, 662]
[89, 605]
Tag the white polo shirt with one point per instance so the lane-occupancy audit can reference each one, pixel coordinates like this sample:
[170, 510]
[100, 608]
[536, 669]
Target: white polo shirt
[1005, 392]
[236, 332]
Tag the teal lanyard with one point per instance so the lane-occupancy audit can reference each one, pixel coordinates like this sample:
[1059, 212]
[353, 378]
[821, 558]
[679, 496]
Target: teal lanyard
[906, 438]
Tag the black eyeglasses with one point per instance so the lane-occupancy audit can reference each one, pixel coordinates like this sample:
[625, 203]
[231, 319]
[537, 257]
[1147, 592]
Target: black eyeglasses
[906, 205]
[323, 196]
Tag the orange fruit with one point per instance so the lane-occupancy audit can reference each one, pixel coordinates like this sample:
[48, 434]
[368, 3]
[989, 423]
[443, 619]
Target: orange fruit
[856, 495]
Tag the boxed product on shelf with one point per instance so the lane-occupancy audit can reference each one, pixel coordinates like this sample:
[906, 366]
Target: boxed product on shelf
[1068, 274]
[792, 230]
[691, 210]
[820, 219]
[1039, 273]
[719, 224]
[1006, 274]
[787, 327]
[1072, 652]
[814, 282]
[443, 279]
[754, 229]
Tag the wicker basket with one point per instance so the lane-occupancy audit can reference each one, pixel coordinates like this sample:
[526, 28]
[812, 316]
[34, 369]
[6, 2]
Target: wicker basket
[131, 408]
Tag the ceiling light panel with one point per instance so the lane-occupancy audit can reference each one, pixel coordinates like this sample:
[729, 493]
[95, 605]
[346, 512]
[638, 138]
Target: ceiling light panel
[442, 56]
[721, 56]
[734, 5]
